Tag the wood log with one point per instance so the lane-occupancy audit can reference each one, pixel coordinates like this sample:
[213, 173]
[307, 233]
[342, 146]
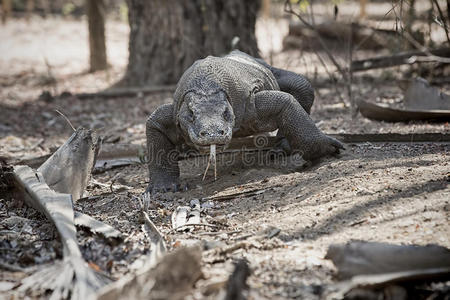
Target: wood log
[369, 258]
[71, 275]
[398, 59]
[382, 112]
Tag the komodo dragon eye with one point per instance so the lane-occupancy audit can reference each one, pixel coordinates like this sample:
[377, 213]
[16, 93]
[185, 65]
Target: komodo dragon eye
[190, 115]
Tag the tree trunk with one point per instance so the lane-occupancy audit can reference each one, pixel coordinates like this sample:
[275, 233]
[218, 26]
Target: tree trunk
[29, 9]
[167, 36]
[6, 10]
[97, 46]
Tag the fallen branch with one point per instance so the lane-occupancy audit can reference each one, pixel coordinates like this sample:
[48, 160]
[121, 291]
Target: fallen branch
[368, 258]
[383, 112]
[127, 92]
[223, 196]
[159, 247]
[398, 59]
[61, 179]
[71, 276]
[196, 224]
[370, 265]
[96, 226]
[363, 37]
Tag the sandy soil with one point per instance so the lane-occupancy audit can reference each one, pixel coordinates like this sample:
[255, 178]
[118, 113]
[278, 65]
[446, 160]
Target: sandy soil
[387, 192]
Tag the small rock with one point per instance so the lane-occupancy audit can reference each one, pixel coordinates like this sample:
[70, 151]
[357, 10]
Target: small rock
[208, 204]
[194, 202]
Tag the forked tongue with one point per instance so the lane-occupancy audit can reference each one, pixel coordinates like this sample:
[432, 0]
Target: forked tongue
[212, 159]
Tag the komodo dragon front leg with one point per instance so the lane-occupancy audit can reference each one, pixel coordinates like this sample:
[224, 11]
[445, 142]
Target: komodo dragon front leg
[163, 166]
[284, 112]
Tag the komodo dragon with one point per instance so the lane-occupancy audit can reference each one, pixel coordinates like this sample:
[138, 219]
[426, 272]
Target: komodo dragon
[218, 98]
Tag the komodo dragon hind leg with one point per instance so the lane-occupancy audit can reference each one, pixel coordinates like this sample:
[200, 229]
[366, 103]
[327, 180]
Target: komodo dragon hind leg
[294, 84]
[163, 166]
[284, 111]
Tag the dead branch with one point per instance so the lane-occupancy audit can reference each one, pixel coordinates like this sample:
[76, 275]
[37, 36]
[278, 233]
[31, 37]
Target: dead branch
[441, 15]
[223, 196]
[72, 275]
[383, 112]
[150, 228]
[370, 265]
[288, 9]
[96, 226]
[368, 258]
[128, 92]
[364, 37]
[398, 59]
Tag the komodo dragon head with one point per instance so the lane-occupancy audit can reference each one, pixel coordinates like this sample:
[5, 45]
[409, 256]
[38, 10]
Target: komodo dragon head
[206, 117]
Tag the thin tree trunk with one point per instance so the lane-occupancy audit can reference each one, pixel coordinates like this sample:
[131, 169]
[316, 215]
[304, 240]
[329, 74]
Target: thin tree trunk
[167, 36]
[97, 45]
[30, 9]
[6, 10]
[46, 8]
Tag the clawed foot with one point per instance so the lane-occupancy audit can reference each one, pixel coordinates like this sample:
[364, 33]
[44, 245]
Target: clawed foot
[326, 145]
[332, 145]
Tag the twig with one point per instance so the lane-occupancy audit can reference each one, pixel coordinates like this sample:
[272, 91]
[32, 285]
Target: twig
[441, 15]
[376, 27]
[220, 232]
[247, 193]
[350, 72]
[197, 224]
[401, 59]
[346, 74]
[35, 145]
[330, 75]
[67, 119]
[288, 9]
[425, 50]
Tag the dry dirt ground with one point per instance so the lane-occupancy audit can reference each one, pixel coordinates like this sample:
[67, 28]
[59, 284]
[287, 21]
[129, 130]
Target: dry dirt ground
[387, 192]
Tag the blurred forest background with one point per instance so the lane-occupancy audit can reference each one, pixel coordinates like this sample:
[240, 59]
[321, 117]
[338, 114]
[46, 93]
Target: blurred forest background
[151, 43]
[166, 37]
[108, 64]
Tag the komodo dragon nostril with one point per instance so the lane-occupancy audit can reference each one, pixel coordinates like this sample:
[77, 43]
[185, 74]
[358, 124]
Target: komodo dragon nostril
[221, 132]
[203, 133]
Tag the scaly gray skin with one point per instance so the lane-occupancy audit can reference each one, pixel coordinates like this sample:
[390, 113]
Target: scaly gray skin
[218, 98]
